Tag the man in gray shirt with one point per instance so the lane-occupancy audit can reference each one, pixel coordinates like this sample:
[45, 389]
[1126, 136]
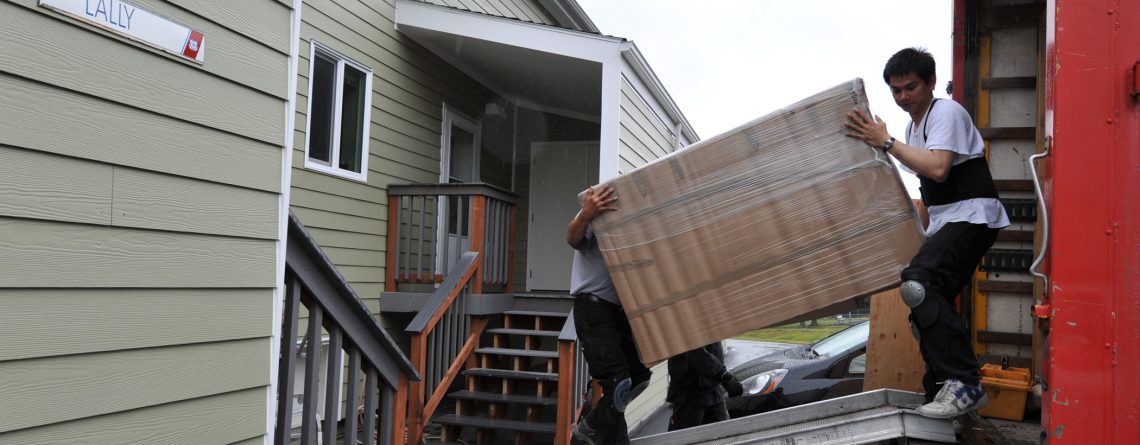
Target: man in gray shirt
[603, 329]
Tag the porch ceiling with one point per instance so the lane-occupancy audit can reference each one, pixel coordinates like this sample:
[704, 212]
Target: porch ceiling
[538, 65]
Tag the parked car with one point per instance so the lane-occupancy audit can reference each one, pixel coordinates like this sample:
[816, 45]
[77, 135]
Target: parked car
[826, 369]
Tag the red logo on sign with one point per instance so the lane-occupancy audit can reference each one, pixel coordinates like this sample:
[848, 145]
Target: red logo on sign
[193, 45]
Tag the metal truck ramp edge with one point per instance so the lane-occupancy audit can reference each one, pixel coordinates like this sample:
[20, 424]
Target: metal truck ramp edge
[859, 418]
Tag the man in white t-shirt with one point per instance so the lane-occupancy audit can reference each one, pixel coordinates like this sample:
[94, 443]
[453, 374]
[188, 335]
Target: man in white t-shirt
[947, 153]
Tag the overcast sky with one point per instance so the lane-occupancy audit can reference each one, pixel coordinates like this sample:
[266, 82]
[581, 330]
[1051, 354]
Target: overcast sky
[726, 62]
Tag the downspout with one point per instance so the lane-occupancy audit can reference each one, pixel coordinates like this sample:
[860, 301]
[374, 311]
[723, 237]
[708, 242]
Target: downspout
[283, 224]
[514, 143]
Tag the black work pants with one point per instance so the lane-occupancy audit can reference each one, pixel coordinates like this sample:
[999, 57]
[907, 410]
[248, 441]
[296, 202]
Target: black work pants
[694, 413]
[611, 355]
[943, 265]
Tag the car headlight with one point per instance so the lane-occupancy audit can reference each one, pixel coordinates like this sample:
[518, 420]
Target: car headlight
[764, 382]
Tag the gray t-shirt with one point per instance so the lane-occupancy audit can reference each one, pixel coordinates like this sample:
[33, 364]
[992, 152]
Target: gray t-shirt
[947, 126]
[589, 275]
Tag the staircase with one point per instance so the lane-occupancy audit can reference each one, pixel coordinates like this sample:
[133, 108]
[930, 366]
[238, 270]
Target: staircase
[510, 386]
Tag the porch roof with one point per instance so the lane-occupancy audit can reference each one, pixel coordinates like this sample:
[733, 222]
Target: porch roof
[549, 68]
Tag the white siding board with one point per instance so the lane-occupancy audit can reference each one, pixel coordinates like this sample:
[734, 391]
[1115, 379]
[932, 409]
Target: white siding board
[533, 11]
[643, 138]
[497, 8]
[48, 390]
[647, 119]
[36, 253]
[50, 322]
[40, 117]
[45, 186]
[52, 51]
[633, 148]
[216, 419]
[153, 201]
[473, 6]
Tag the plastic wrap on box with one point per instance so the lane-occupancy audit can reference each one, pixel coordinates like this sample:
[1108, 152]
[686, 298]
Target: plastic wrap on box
[778, 218]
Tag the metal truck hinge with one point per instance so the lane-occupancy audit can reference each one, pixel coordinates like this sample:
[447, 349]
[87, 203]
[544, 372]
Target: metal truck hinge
[1136, 81]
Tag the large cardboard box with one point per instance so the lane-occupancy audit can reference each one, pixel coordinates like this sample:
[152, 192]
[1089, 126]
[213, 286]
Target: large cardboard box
[775, 219]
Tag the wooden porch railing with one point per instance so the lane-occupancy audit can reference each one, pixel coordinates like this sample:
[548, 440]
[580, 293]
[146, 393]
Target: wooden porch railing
[313, 282]
[443, 337]
[475, 218]
[572, 380]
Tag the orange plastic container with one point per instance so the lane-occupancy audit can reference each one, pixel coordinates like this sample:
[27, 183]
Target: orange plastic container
[1006, 389]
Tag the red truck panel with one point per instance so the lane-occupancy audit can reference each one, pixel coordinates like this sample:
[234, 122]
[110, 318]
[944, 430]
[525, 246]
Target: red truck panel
[1092, 185]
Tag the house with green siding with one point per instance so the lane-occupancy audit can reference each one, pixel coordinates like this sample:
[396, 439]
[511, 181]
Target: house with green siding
[303, 221]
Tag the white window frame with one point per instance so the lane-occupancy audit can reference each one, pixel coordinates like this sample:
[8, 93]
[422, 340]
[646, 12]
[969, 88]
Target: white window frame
[334, 150]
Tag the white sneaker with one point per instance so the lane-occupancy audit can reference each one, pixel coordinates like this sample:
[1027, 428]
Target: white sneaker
[955, 399]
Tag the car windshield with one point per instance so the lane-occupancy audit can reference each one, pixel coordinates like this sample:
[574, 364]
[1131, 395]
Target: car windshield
[843, 340]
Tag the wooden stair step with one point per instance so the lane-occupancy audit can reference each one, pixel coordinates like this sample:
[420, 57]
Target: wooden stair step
[518, 352]
[510, 374]
[504, 398]
[495, 424]
[536, 313]
[534, 332]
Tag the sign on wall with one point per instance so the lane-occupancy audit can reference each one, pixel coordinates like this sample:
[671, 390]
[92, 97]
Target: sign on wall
[137, 24]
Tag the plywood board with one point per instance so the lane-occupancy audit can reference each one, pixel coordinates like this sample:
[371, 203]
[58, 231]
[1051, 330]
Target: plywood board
[893, 360]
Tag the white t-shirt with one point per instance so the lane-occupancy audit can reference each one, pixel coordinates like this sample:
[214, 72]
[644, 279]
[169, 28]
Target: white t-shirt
[947, 126]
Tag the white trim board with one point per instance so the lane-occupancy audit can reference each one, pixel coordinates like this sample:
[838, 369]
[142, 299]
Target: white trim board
[278, 303]
[549, 39]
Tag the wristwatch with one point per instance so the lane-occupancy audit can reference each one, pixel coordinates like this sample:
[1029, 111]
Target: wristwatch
[887, 145]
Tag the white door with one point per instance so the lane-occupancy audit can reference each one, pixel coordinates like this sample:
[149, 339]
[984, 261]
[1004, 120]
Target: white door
[558, 172]
[459, 163]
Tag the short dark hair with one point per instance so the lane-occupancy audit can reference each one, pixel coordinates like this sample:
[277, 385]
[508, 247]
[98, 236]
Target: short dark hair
[910, 60]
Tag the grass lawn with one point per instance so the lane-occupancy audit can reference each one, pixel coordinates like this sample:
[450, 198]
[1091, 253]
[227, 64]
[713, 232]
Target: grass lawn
[793, 333]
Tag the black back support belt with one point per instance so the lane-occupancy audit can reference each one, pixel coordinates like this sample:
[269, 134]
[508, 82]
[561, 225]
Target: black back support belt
[968, 180]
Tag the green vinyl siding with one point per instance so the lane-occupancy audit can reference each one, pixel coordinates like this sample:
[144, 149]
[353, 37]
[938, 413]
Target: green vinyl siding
[229, 416]
[348, 218]
[124, 380]
[97, 320]
[166, 86]
[643, 136]
[139, 203]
